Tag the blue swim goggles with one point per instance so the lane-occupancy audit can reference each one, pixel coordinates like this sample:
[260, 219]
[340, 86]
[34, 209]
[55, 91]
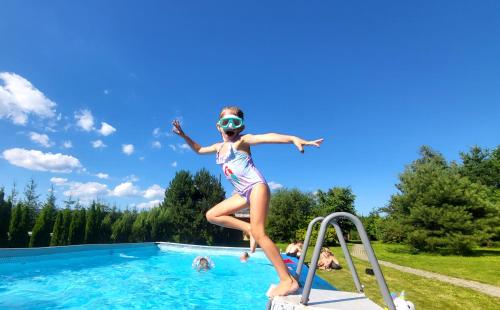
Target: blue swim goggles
[230, 122]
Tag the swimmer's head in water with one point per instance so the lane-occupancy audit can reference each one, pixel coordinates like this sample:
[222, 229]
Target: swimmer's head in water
[203, 263]
[244, 257]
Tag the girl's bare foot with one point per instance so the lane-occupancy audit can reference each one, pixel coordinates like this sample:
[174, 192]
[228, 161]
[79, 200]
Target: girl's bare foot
[285, 288]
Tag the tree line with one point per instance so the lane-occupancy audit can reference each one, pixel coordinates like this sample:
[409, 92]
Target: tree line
[179, 218]
[439, 206]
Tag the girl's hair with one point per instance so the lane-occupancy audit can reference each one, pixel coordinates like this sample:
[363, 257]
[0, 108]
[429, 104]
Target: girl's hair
[236, 110]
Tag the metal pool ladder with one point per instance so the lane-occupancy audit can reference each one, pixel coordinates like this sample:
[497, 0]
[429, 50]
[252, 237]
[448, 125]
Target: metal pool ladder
[325, 222]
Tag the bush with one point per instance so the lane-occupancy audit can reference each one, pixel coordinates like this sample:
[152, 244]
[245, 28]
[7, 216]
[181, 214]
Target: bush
[330, 238]
[288, 213]
[391, 231]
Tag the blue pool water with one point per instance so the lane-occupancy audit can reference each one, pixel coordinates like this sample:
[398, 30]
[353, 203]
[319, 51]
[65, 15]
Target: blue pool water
[145, 277]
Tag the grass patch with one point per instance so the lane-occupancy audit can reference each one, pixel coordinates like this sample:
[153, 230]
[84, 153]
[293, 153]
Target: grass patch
[424, 293]
[483, 266]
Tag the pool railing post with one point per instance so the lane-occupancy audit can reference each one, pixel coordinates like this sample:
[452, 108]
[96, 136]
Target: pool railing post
[347, 256]
[314, 262]
[305, 246]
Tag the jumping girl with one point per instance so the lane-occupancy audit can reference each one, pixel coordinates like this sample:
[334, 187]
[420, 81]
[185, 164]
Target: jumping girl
[233, 154]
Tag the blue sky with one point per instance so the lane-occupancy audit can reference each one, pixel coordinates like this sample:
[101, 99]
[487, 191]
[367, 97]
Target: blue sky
[81, 83]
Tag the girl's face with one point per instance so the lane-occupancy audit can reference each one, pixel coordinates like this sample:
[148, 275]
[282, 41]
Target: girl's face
[229, 134]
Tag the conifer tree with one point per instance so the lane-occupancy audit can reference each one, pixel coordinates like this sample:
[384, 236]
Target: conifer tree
[19, 226]
[67, 215]
[208, 193]
[31, 201]
[141, 228]
[159, 222]
[187, 199]
[439, 209]
[60, 233]
[57, 230]
[5, 212]
[95, 216]
[122, 227]
[76, 233]
[40, 236]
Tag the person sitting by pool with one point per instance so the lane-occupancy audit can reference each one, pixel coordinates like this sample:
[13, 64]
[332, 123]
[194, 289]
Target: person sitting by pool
[203, 263]
[327, 260]
[244, 257]
[294, 249]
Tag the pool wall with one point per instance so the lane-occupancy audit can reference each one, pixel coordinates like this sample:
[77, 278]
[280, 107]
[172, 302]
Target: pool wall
[7, 254]
[208, 250]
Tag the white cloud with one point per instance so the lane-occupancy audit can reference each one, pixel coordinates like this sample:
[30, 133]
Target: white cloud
[50, 129]
[273, 185]
[174, 164]
[58, 181]
[128, 148]
[67, 144]
[154, 191]
[157, 132]
[106, 91]
[106, 129]
[84, 120]
[98, 144]
[156, 145]
[180, 147]
[131, 178]
[41, 139]
[86, 191]
[125, 189]
[149, 204]
[101, 175]
[19, 98]
[36, 160]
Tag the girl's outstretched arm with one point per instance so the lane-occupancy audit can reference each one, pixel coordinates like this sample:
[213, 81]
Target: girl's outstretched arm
[194, 146]
[278, 138]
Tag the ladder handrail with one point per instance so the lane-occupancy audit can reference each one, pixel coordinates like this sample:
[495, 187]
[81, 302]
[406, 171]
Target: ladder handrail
[347, 256]
[330, 219]
[305, 245]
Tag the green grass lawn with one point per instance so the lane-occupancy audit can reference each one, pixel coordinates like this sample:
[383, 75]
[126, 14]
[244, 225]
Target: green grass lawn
[424, 293]
[483, 266]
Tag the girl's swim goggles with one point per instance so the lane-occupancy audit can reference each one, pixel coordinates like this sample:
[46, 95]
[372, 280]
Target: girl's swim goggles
[230, 122]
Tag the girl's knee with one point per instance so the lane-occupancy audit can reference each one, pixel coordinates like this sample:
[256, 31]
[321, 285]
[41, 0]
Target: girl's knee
[210, 215]
[258, 234]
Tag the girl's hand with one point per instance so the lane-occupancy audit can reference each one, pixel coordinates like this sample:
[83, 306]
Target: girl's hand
[299, 143]
[177, 128]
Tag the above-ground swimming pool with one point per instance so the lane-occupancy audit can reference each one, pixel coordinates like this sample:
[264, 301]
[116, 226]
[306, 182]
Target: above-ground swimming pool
[133, 276]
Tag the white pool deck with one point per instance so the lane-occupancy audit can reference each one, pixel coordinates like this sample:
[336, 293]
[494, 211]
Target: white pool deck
[325, 299]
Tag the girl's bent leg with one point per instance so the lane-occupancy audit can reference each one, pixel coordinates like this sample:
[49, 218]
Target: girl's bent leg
[220, 214]
[259, 203]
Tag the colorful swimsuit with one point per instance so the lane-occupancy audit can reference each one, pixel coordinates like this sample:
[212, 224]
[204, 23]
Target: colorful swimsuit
[239, 169]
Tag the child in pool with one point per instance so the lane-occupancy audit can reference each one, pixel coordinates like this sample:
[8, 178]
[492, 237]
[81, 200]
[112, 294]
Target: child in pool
[202, 263]
[233, 154]
[244, 257]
